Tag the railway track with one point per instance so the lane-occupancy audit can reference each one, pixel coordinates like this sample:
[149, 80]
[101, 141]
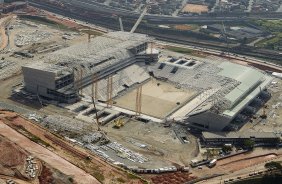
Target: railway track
[106, 21]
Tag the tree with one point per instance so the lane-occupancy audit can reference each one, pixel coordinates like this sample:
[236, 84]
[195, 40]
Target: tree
[249, 144]
[275, 165]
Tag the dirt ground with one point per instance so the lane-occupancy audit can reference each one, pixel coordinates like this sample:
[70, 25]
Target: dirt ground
[44, 154]
[11, 156]
[4, 38]
[242, 161]
[195, 8]
[34, 45]
[184, 27]
[273, 122]
[13, 166]
[158, 98]
[96, 167]
[163, 147]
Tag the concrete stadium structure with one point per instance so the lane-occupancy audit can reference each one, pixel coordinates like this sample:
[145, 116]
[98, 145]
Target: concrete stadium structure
[224, 90]
[86, 63]
[220, 91]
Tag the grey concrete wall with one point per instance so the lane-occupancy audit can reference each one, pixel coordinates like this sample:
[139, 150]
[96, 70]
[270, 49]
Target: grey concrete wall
[209, 120]
[34, 77]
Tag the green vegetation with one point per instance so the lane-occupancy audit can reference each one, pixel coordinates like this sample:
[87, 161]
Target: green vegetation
[71, 179]
[226, 149]
[121, 180]
[249, 144]
[275, 28]
[266, 179]
[132, 176]
[275, 165]
[271, 43]
[98, 175]
[31, 136]
[180, 50]
[185, 51]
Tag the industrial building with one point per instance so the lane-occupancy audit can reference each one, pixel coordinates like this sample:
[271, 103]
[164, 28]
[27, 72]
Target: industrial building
[113, 65]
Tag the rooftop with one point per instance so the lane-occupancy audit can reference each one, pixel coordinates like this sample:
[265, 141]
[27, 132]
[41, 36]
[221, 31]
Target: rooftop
[102, 51]
[252, 81]
[236, 135]
[50, 68]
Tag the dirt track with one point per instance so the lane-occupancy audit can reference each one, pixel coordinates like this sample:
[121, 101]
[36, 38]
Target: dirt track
[47, 156]
[4, 37]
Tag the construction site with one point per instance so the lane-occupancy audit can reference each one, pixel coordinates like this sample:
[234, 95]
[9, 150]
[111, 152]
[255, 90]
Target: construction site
[119, 107]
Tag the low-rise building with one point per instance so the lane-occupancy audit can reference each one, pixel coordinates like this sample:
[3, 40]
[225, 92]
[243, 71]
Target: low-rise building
[238, 138]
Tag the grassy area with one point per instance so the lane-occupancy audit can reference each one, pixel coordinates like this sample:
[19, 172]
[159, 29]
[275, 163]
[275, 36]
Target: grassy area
[275, 27]
[180, 50]
[31, 136]
[270, 25]
[271, 43]
[121, 180]
[99, 176]
[185, 51]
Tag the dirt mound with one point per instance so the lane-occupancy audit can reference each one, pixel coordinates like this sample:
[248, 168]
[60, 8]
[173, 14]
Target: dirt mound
[11, 155]
[175, 178]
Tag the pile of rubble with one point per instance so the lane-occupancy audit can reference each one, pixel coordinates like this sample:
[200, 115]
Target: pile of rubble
[10, 181]
[130, 155]
[24, 38]
[8, 68]
[62, 123]
[32, 167]
[92, 137]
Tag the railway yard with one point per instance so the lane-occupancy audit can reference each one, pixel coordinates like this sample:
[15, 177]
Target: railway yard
[111, 138]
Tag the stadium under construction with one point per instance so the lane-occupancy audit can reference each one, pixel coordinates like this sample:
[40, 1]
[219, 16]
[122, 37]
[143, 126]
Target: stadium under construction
[123, 71]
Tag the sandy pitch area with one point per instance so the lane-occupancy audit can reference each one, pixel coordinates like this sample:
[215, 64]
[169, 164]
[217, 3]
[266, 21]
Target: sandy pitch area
[157, 100]
[195, 8]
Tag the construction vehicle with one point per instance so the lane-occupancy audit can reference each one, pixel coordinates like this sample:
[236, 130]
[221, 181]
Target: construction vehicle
[212, 163]
[264, 115]
[118, 123]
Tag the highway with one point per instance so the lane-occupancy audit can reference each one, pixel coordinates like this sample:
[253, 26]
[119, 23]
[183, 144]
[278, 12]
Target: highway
[107, 10]
[271, 66]
[110, 21]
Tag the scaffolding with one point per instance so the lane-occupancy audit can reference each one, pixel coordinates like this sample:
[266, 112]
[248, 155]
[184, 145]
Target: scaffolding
[110, 91]
[138, 105]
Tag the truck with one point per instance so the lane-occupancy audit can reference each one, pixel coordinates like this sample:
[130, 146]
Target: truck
[212, 163]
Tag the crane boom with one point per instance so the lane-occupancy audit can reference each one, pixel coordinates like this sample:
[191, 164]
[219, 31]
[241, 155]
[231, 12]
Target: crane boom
[139, 20]
[120, 24]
